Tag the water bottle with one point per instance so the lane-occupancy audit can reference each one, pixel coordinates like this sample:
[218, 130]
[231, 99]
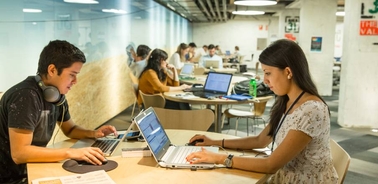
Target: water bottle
[252, 88]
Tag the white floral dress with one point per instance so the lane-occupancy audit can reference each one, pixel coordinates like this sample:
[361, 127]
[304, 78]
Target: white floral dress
[314, 163]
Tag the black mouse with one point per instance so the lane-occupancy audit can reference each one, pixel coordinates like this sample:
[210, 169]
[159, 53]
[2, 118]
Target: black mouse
[193, 143]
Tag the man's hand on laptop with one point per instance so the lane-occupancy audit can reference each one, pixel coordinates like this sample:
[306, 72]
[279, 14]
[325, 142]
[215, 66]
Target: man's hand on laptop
[105, 131]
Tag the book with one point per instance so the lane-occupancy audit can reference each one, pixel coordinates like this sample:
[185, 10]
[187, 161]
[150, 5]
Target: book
[136, 152]
[238, 97]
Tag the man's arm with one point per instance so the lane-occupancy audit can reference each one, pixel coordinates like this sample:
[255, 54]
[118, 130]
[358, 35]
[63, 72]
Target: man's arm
[76, 132]
[22, 151]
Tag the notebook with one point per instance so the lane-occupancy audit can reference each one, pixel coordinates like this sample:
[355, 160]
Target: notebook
[107, 145]
[216, 84]
[211, 64]
[187, 69]
[165, 153]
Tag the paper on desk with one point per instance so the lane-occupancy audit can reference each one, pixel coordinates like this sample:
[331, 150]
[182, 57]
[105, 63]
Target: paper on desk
[95, 177]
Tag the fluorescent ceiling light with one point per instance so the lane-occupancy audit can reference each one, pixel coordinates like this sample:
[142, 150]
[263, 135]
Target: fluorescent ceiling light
[255, 2]
[248, 12]
[82, 1]
[26, 10]
[114, 11]
[340, 14]
[171, 7]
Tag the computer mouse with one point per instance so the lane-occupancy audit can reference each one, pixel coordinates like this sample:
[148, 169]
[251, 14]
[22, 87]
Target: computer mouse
[193, 143]
[82, 162]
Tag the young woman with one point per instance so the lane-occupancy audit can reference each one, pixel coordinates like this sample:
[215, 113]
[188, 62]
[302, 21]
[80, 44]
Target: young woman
[299, 127]
[159, 77]
[178, 58]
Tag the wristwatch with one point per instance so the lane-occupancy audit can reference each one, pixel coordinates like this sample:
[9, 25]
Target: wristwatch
[228, 161]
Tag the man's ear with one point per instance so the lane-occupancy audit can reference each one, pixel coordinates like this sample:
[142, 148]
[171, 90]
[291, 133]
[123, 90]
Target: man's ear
[51, 70]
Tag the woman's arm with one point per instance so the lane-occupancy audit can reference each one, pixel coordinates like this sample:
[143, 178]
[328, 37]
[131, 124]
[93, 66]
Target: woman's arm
[292, 145]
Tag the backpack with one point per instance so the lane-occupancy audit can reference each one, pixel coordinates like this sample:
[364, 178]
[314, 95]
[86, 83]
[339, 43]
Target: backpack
[242, 88]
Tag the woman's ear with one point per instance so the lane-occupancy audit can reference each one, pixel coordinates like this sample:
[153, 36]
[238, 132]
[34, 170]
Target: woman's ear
[288, 72]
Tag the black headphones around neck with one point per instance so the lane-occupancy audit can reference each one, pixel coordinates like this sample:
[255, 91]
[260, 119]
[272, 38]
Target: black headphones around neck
[50, 93]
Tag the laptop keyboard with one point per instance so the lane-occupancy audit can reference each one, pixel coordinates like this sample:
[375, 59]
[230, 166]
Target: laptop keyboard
[106, 145]
[181, 154]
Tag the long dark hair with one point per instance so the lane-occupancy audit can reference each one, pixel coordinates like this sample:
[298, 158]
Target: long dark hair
[153, 62]
[281, 54]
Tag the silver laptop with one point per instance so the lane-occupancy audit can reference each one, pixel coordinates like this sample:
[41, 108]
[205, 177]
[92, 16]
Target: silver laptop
[187, 69]
[165, 153]
[107, 145]
[211, 64]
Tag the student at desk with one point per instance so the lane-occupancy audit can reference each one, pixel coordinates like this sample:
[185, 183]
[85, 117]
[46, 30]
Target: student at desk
[299, 127]
[30, 110]
[211, 56]
[159, 77]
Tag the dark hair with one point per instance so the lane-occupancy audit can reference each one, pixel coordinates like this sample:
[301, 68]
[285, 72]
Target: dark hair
[211, 46]
[153, 63]
[61, 54]
[204, 46]
[192, 44]
[143, 51]
[236, 47]
[281, 54]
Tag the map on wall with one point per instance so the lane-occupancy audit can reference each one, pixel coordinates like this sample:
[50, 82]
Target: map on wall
[369, 26]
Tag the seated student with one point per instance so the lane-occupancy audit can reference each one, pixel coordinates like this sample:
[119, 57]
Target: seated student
[28, 115]
[178, 58]
[299, 127]
[140, 60]
[190, 56]
[211, 56]
[159, 77]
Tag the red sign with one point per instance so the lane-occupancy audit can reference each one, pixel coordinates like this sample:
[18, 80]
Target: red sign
[368, 27]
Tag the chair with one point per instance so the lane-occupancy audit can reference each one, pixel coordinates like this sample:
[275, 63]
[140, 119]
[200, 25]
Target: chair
[134, 84]
[256, 113]
[155, 100]
[341, 160]
[185, 119]
[199, 71]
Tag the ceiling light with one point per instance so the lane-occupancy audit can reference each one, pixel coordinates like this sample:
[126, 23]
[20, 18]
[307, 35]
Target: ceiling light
[248, 12]
[255, 2]
[26, 10]
[171, 7]
[82, 1]
[340, 14]
[114, 11]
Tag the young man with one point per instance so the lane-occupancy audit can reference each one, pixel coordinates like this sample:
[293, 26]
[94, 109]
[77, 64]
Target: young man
[30, 110]
[140, 62]
[211, 56]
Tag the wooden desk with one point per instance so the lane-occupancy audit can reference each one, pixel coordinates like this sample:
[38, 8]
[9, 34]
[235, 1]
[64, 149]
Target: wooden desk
[145, 169]
[223, 70]
[216, 102]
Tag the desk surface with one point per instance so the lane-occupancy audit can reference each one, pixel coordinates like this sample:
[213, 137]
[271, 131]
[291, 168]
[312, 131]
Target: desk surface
[145, 169]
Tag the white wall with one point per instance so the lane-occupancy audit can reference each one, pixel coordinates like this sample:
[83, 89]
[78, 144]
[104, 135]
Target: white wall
[238, 32]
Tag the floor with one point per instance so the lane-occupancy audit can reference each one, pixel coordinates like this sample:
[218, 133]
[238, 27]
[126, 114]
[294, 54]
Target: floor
[361, 144]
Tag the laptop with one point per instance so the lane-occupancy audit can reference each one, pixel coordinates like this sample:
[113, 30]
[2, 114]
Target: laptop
[165, 153]
[210, 64]
[216, 84]
[107, 145]
[187, 70]
[228, 52]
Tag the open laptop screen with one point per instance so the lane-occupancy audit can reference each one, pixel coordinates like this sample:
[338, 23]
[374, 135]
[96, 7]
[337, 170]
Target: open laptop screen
[187, 69]
[217, 82]
[153, 132]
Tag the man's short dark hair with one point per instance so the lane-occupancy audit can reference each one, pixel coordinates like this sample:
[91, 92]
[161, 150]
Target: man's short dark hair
[143, 51]
[60, 53]
[192, 44]
[211, 46]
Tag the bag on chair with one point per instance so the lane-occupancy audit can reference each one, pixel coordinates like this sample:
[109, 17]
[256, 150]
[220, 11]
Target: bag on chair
[242, 88]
